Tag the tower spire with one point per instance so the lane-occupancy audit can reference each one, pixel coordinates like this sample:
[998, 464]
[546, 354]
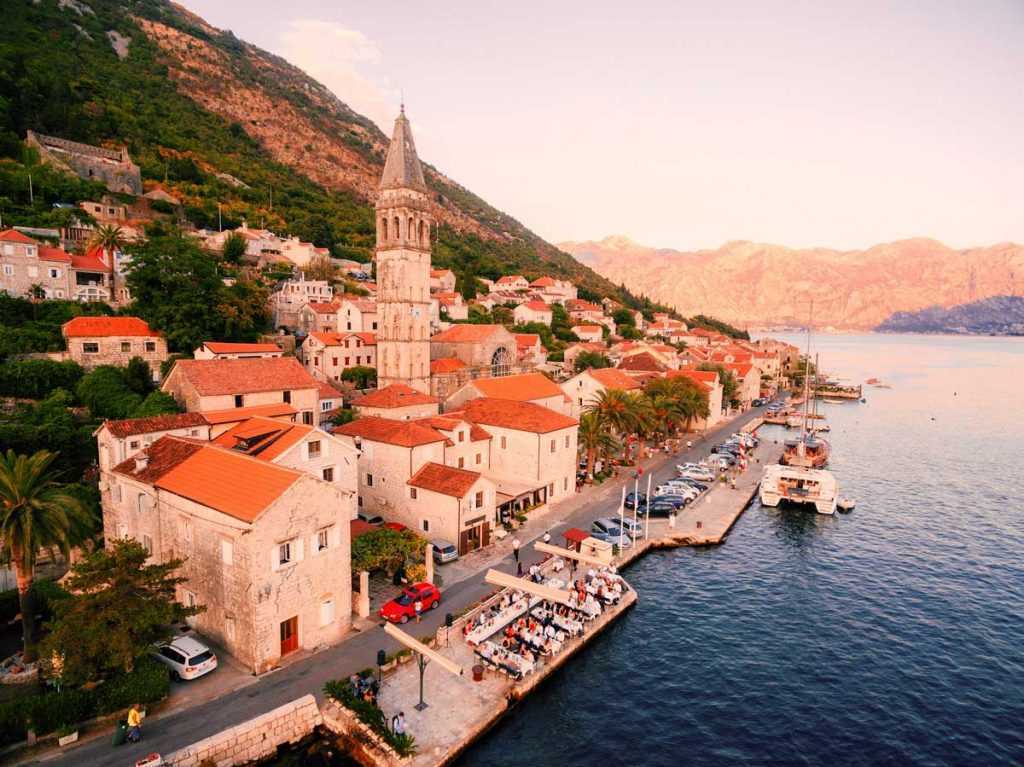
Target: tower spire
[402, 169]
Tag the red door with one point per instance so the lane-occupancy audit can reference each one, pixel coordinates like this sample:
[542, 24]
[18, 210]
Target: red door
[289, 635]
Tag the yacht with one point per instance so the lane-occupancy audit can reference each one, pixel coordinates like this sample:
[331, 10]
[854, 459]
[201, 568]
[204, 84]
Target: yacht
[810, 452]
[801, 485]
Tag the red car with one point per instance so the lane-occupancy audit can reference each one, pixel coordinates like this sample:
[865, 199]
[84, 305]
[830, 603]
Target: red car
[403, 607]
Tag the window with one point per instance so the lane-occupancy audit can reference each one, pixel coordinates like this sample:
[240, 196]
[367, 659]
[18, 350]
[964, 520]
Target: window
[134, 444]
[314, 448]
[126, 346]
[33, 271]
[375, 326]
[348, 326]
[284, 553]
[91, 347]
[462, 462]
[141, 503]
[173, 655]
[8, 270]
[359, 501]
[567, 440]
[347, 361]
[327, 612]
[227, 552]
[288, 397]
[54, 274]
[307, 417]
[325, 406]
[150, 346]
[115, 493]
[323, 539]
[480, 499]
[328, 474]
[122, 531]
[552, 446]
[425, 524]
[478, 459]
[334, 361]
[565, 484]
[186, 528]
[504, 443]
[316, 362]
[412, 493]
[238, 400]
[369, 480]
[147, 544]
[581, 401]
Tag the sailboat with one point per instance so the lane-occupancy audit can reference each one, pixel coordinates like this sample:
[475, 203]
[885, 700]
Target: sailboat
[800, 480]
[810, 451]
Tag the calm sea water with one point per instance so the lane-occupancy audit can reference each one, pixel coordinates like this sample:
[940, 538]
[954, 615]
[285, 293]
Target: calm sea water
[890, 636]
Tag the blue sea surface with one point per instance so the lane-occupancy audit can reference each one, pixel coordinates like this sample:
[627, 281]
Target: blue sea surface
[893, 635]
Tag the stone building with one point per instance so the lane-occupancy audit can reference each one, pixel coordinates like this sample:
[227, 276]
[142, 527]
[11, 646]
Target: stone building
[584, 388]
[442, 281]
[118, 441]
[292, 295]
[318, 317]
[222, 350]
[526, 387]
[94, 341]
[397, 402]
[267, 553]
[358, 314]
[479, 346]
[214, 385]
[113, 167]
[403, 266]
[327, 355]
[25, 263]
[532, 311]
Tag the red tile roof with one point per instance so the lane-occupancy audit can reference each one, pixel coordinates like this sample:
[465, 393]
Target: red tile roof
[466, 333]
[611, 378]
[451, 423]
[93, 327]
[441, 272]
[641, 361]
[742, 369]
[446, 365]
[537, 306]
[391, 432]
[509, 279]
[162, 456]
[223, 347]
[263, 438]
[337, 339]
[132, 426]
[254, 484]
[522, 388]
[13, 235]
[321, 308]
[587, 328]
[326, 391]
[520, 416]
[706, 378]
[579, 305]
[58, 255]
[526, 340]
[542, 282]
[395, 395]
[232, 415]
[215, 377]
[446, 480]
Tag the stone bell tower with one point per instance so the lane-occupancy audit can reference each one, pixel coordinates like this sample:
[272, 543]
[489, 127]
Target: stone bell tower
[403, 266]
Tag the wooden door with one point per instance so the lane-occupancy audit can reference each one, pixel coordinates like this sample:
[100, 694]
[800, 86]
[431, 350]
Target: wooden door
[289, 635]
[485, 538]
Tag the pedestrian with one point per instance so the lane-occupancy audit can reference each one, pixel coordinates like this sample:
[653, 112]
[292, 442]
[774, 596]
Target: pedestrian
[418, 607]
[398, 724]
[734, 483]
[547, 537]
[134, 724]
[515, 548]
[689, 445]
[519, 568]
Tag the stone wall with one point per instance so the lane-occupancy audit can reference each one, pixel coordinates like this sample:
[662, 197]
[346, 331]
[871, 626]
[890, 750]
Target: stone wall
[256, 739]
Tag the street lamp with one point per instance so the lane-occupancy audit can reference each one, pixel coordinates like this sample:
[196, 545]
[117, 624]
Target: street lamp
[423, 667]
[382, 658]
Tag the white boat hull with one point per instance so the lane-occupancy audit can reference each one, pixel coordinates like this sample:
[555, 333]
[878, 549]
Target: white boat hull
[809, 487]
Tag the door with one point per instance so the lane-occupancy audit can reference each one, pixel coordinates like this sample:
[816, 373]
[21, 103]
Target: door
[486, 537]
[289, 635]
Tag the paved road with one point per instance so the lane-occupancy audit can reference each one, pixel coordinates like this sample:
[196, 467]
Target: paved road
[174, 729]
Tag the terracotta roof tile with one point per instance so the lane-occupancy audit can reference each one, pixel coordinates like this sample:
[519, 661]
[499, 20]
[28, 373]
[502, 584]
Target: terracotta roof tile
[13, 235]
[542, 282]
[254, 484]
[579, 305]
[611, 378]
[58, 255]
[132, 426]
[263, 438]
[537, 306]
[641, 361]
[587, 328]
[338, 339]
[215, 377]
[223, 347]
[401, 433]
[91, 261]
[446, 365]
[161, 457]
[232, 415]
[395, 395]
[450, 423]
[526, 340]
[523, 388]
[321, 308]
[508, 414]
[446, 480]
[93, 327]
[467, 333]
[326, 391]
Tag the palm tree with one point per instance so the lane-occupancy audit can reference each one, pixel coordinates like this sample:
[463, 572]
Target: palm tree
[617, 410]
[108, 238]
[596, 439]
[666, 413]
[36, 514]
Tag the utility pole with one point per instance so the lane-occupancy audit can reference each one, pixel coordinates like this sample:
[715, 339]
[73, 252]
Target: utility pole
[31, 195]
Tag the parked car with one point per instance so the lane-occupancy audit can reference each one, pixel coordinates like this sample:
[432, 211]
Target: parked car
[635, 529]
[444, 551]
[677, 487]
[700, 486]
[632, 498]
[396, 526]
[704, 475]
[186, 657]
[606, 525]
[403, 607]
[623, 540]
[371, 519]
[677, 501]
[722, 461]
[660, 508]
[757, 402]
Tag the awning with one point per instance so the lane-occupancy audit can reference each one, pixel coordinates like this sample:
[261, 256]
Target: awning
[575, 535]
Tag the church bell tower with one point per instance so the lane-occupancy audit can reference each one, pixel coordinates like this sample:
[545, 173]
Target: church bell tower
[403, 266]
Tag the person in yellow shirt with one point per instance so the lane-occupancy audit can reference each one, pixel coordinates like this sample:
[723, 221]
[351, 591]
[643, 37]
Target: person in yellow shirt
[134, 724]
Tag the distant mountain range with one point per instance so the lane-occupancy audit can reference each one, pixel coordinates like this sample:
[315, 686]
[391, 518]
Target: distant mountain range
[760, 285]
[998, 315]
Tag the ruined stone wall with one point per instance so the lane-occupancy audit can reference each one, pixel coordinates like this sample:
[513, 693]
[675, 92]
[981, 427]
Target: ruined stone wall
[256, 739]
[113, 167]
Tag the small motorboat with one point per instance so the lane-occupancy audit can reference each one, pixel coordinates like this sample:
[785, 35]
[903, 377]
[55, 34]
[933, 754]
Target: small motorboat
[846, 504]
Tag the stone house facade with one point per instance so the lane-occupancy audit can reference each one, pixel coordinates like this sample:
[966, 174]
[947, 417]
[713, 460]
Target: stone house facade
[532, 311]
[584, 388]
[327, 355]
[397, 402]
[292, 295]
[94, 341]
[118, 441]
[356, 314]
[221, 350]
[525, 387]
[24, 262]
[267, 555]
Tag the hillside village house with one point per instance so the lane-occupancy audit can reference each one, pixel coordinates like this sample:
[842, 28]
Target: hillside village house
[583, 388]
[94, 341]
[318, 317]
[220, 350]
[748, 380]
[426, 474]
[357, 314]
[584, 311]
[554, 291]
[205, 385]
[572, 352]
[24, 262]
[442, 281]
[327, 355]
[451, 306]
[267, 554]
[117, 441]
[286, 302]
[588, 333]
[530, 351]
[526, 387]
[511, 283]
[532, 311]
[396, 402]
[224, 420]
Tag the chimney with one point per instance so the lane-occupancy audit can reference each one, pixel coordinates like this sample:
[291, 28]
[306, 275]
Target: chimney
[141, 462]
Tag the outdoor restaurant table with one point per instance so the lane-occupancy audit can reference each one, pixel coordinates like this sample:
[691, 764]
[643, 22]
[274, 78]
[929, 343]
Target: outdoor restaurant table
[502, 619]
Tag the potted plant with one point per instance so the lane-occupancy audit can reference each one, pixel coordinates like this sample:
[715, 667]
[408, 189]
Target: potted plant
[67, 734]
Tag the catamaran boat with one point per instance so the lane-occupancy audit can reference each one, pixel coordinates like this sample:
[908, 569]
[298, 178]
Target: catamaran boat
[810, 452]
[800, 485]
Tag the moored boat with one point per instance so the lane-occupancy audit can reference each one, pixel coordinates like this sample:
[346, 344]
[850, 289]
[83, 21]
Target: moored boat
[799, 485]
[810, 452]
[846, 503]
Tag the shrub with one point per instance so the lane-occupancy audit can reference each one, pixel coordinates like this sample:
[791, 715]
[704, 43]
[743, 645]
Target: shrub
[370, 715]
[34, 379]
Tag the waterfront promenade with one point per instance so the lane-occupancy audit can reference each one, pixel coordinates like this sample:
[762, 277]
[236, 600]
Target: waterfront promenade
[176, 725]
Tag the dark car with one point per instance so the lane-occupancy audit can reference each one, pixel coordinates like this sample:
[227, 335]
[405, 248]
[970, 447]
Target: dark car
[694, 484]
[632, 498]
[677, 501]
[661, 508]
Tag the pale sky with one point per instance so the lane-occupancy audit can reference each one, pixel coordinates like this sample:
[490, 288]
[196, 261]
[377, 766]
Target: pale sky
[686, 123]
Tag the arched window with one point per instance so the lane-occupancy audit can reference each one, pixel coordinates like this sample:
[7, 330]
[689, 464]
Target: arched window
[384, 229]
[424, 238]
[410, 232]
[397, 234]
[501, 360]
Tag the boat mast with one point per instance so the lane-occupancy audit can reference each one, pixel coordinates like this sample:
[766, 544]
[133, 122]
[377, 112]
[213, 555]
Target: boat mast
[802, 449]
